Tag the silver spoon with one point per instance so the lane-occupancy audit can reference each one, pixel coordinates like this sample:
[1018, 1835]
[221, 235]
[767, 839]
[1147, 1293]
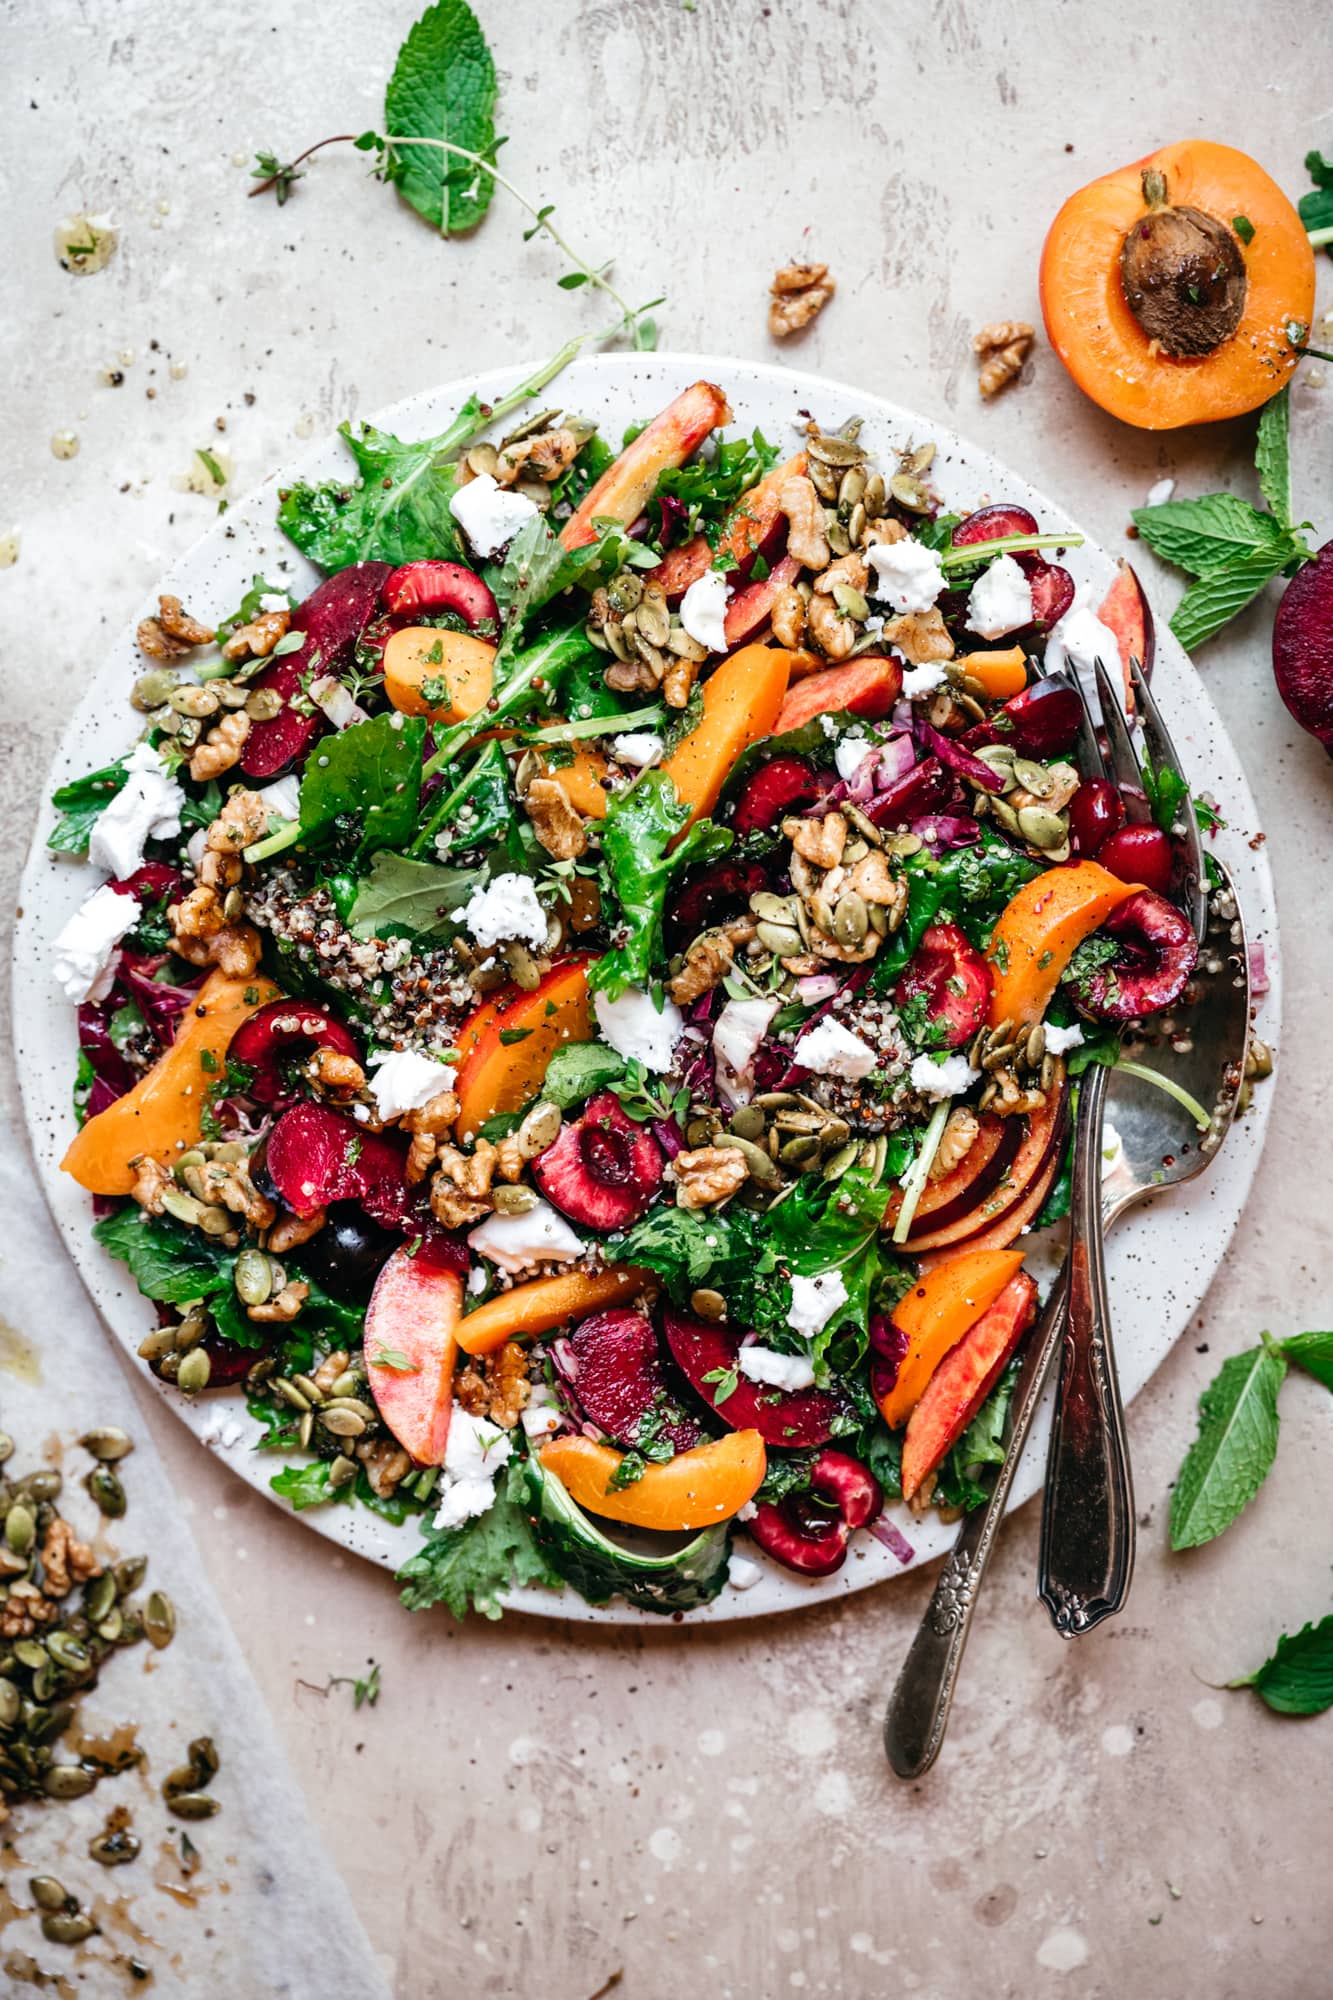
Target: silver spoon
[1162, 1148]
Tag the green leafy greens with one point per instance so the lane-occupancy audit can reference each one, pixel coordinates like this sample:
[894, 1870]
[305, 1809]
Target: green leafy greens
[469, 1567]
[80, 804]
[639, 863]
[368, 776]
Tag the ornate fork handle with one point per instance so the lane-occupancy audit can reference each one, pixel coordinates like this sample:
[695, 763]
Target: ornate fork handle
[1087, 1523]
[919, 1705]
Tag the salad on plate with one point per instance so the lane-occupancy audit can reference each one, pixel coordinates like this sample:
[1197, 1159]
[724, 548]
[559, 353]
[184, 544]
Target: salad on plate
[581, 1013]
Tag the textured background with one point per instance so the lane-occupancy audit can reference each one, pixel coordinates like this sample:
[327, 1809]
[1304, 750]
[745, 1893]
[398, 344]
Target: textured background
[538, 1803]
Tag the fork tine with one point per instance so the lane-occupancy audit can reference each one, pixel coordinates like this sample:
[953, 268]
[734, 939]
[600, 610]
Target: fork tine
[1163, 753]
[1120, 746]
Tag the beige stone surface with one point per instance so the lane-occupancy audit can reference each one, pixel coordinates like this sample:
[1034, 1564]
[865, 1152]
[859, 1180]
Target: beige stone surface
[534, 1806]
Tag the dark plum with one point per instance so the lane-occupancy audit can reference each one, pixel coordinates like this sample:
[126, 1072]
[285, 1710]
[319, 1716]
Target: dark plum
[279, 1033]
[616, 1373]
[331, 621]
[952, 980]
[1157, 954]
[440, 586]
[785, 785]
[809, 1532]
[603, 1170]
[1303, 647]
[1139, 854]
[1096, 811]
[348, 1251]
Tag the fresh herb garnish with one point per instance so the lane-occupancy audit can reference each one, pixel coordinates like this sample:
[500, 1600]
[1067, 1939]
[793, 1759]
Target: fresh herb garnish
[393, 1358]
[1229, 1460]
[1298, 1677]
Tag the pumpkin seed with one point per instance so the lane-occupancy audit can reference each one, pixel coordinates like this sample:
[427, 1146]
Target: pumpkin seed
[68, 1781]
[9, 1704]
[152, 689]
[342, 1471]
[1258, 1060]
[874, 1153]
[748, 1122]
[839, 1163]
[836, 450]
[215, 1221]
[68, 1653]
[540, 1129]
[343, 1423]
[108, 1443]
[799, 1150]
[204, 1760]
[839, 540]
[654, 620]
[198, 702]
[39, 1486]
[253, 1277]
[483, 460]
[522, 964]
[112, 1627]
[1043, 828]
[107, 1492]
[115, 1847]
[69, 1927]
[875, 495]
[20, 1530]
[349, 1383]
[1034, 1048]
[910, 493]
[48, 1893]
[700, 1132]
[263, 704]
[513, 1200]
[233, 905]
[159, 1620]
[183, 1207]
[851, 918]
[850, 601]
[769, 908]
[310, 1390]
[129, 1574]
[1004, 815]
[289, 1393]
[1034, 778]
[708, 1304]
[193, 1374]
[1047, 1075]
[783, 940]
[194, 1805]
[757, 1160]
[903, 843]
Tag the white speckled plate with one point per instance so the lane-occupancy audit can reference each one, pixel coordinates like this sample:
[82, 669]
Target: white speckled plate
[1161, 1260]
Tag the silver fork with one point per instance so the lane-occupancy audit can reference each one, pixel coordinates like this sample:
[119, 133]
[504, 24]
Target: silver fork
[1087, 1524]
[1161, 1150]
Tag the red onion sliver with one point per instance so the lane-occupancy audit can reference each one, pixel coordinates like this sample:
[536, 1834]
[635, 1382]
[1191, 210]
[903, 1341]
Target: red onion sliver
[961, 760]
[1259, 980]
[893, 1539]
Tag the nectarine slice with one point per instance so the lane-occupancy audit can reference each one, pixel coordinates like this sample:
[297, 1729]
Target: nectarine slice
[937, 1312]
[742, 701]
[695, 1489]
[625, 488]
[867, 687]
[1038, 932]
[507, 1043]
[445, 675]
[411, 1345]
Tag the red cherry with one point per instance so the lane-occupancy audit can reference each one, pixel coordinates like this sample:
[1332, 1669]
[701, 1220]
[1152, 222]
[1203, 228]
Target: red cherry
[1139, 854]
[1096, 811]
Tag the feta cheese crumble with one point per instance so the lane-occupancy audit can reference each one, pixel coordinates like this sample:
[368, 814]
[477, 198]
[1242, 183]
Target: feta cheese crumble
[850, 754]
[1060, 1040]
[636, 1029]
[923, 680]
[947, 1079]
[907, 573]
[275, 600]
[742, 1574]
[1159, 493]
[147, 807]
[776, 1371]
[1000, 600]
[506, 908]
[829, 1049]
[490, 515]
[405, 1080]
[737, 1038]
[537, 1236]
[703, 610]
[1077, 640]
[814, 1302]
[541, 1413]
[638, 748]
[82, 954]
[474, 1452]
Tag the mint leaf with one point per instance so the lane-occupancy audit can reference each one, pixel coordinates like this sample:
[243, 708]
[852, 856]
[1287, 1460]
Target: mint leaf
[1298, 1678]
[468, 1567]
[166, 1260]
[638, 865]
[578, 1070]
[443, 87]
[1272, 455]
[368, 775]
[1313, 1352]
[80, 804]
[397, 510]
[1214, 600]
[1203, 534]
[1229, 1460]
[419, 897]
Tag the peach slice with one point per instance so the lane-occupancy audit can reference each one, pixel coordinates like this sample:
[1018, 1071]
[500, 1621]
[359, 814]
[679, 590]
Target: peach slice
[411, 1345]
[934, 1316]
[545, 1303]
[507, 1043]
[696, 1489]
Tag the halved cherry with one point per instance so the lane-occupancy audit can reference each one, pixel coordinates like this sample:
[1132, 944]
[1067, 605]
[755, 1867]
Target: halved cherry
[440, 586]
[284, 1032]
[1051, 585]
[603, 1170]
[1043, 721]
[994, 524]
[1140, 854]
[618, 1376]
[785, 785]
[712, 895]
[809, 1532]
[1096, 811]
[1151, 970]
[313, 1157]
[953, 980]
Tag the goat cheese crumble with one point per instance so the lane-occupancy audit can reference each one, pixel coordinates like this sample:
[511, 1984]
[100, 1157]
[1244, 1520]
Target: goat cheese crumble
[1000, 600]
[923, 680]
[537, 1236]
[907, 573]
[83, 953]
[147, 807]
[737, 1038]
[742, 1574]
[850, 754]
[540, 1415]
[405, 1080]
[489, 514]
[1060, 1040]
[506, 908]
[776, 1371]
[942, 1079]
[829, 1049]
[1077, 640]
[703, 610]
[814, 1302]
[638, 748]
[474, 1452]
[637, 1029]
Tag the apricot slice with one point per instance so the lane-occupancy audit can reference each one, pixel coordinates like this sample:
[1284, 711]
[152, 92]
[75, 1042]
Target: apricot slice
[581, 781]
[1225, 362]
[867, 687]
[162, 1116]
[696, 1489]
[411, 1346]
[507, 1043]
[453, 665]
[625, 488]
[963, 1380]
[941, 1306]
[1039, 930]
[742, 701]
[546, 1303]
[1001, 674]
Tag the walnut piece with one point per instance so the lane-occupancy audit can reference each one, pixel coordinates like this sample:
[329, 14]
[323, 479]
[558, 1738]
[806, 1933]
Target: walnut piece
[921, 635]
[453, 1208]
[557, 823]
[244, 818]
[497, 1387]
[226, 1183]
[707, 1175]
[818, 841]
[291, 1231]
[256, 640]
[221, 748]
[284, 1307]
[65, 1560]
[177, 623]
[386, 1464]
[24, 1610]
[874, 881]
[1002, 348]
[707, 963]
[956, 1141]
[798, 293]
[335, 1071]
[236, 950]
[830, 629]
[788, 618]
[678, 682]
[155, 644]
[151, 1181]
[807, 541]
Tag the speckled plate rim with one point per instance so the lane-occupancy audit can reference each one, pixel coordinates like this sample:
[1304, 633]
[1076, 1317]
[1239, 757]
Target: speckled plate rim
[1161, 1260]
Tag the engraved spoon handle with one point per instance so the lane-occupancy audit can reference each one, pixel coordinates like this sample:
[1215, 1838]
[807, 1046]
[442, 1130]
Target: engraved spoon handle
[1087, 1522]
[918, 1709]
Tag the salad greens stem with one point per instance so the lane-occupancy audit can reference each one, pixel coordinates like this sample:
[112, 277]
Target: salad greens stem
[274, 843]
[1170, 1086]
[973, 552]
[594, 725]
[1319, 237]
[465, 428]
[914, 1180]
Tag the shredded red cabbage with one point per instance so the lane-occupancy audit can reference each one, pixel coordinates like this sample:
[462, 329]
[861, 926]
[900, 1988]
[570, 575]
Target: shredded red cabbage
[960, 760]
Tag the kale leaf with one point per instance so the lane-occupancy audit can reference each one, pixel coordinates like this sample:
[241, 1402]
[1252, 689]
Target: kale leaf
[166, 1260]
[468, 1567]
[417, 897]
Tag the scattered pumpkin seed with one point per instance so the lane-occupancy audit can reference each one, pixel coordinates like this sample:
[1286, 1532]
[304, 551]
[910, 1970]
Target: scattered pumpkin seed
[342, 1471]
[48, 1893]
[343, 1423]
[68, 1927]
[756, 1159]
[130, 1573]
[20, 1530]
[194, 1805]
[40, 1486]
[708, 1304]
[68, 1653]
[193, 1375]
[108, 1443]
[68, 1781]
[107, 1492]
[783, 940]
[152, 689]
[540, 1129]
[159, 1619]
[513, 1200]
[10, 1699]
[114, 1846]
[1034, 778]
[262, 704]
[748, 1122]
[911, 493]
